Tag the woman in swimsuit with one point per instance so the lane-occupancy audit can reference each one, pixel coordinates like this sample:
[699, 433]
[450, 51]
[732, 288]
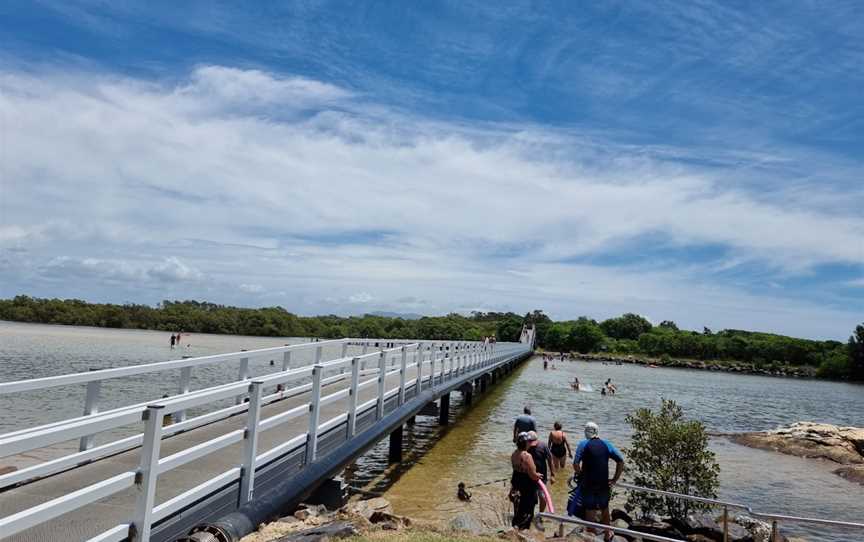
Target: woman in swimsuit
[560, 447]
[523, 484]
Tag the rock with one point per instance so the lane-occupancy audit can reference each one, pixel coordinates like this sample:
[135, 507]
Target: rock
[466, 522]
[619, 538]
[759, 531]
[289, 520]
[387, 517]
[656, 527]
[370, 506]
[338, 529]
[853, 473]
[620, 523]
[845, 445]
[617, 513]
[302, 514]
[699, 538]
[513, 535]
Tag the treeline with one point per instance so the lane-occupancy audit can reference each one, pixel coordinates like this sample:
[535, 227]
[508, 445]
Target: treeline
[633, 334]
[203, 317]
[627, 334]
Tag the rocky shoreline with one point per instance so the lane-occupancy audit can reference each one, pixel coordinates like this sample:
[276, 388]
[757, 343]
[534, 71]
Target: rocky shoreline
[374, 520]
[842, 445]
[720, 366]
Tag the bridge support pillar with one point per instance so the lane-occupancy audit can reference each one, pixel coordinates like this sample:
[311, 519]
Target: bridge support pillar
[484, 382]
[395, 454]
[333, 494]
[467, 391]
[411, 420]
[444, 410]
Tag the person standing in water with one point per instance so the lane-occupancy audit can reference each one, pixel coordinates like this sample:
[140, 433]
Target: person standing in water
[559, 446]
[173, 340]
[524, 423]
[523, 484]
[543, 464]
[591, 468]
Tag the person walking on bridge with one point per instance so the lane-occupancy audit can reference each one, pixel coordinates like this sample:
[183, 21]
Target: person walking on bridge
[524, 423]
[591, 467]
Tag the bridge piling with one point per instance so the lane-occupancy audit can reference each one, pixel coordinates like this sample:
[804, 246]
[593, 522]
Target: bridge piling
[395, 453]
[444, 410]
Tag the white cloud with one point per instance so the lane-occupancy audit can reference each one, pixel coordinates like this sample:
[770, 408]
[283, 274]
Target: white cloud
[130, 180]
[252, 288]
[360, 298]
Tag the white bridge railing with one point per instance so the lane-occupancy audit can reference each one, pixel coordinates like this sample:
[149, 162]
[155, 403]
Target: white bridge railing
[417, 364]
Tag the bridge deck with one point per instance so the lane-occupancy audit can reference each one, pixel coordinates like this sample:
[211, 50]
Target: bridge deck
[91, 520]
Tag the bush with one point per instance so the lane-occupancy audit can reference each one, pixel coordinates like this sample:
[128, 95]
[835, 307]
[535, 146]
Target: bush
[670, 453]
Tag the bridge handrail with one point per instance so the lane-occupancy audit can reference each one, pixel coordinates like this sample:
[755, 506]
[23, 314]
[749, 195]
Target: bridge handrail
[465, 357]
[144, 368]
[55, 432]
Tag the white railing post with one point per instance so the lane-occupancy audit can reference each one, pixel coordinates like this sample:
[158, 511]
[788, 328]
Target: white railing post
[185, 380]
[91, 406]
[352, 397]
[433, 355]
[318, 351]
[403, 367]
[382, 376]
[147, 475]
[286, 359]
[242, 375]
[250, 443]
[314, 415]
[343, 354]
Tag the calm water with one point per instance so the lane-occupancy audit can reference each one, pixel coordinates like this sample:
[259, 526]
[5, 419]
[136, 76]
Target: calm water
[476, 450]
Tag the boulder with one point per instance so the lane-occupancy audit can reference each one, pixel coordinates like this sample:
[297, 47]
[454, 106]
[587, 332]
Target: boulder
[465, 522]
[388, 518]
[656, 527]
[370, 506]
[617, 513]
[853, 473]
[759, 531]
[330, 531]
[845, 445]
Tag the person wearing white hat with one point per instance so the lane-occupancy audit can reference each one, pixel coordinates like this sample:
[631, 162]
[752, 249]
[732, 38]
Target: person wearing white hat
[591, 467]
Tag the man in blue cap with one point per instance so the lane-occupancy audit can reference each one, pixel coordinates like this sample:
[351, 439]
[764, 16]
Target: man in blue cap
[591, 465]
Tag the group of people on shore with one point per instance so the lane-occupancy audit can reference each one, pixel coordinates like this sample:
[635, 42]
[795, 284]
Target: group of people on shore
[534, 461]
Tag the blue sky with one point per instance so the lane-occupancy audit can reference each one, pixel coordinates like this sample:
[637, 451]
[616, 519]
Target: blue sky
[696, 161]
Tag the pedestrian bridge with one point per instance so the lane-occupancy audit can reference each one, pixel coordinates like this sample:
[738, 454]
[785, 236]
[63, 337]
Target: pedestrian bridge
[241, 450]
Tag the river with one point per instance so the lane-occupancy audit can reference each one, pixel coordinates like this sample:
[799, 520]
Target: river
[476, 449]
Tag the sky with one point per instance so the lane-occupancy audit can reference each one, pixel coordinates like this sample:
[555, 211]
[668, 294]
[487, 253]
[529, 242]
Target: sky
[701, 161]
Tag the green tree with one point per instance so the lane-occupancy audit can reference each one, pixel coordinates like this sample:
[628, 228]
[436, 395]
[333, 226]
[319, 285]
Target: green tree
[670, 453]
[669, 324]
[585, 336]
[627, 326]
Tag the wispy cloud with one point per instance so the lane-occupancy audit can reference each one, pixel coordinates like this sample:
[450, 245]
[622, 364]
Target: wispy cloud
[248, 186]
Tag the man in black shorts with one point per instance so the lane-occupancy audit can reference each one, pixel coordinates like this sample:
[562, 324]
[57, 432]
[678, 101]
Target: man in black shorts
[591, 464]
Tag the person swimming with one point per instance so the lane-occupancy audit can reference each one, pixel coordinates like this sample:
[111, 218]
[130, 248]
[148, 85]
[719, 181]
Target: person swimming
[575, 384]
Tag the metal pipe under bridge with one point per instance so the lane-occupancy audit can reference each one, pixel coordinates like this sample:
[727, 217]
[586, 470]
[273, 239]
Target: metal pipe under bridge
[199, 455]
